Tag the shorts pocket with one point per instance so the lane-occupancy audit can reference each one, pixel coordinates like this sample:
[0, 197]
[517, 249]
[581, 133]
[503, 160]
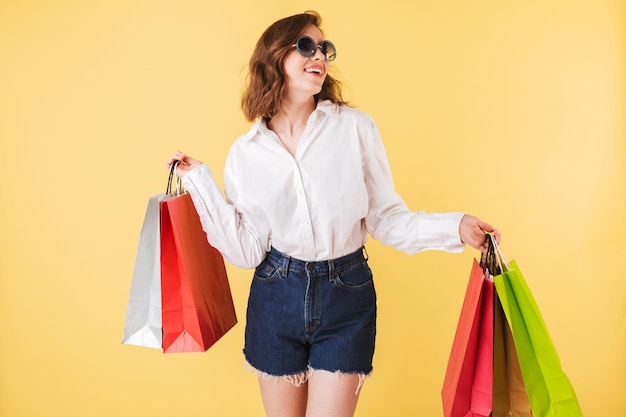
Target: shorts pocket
[356, 278]
[266, 272]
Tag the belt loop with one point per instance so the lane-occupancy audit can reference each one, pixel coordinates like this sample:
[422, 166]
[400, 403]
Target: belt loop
[285, 265]
[365, 250]
[331, 269]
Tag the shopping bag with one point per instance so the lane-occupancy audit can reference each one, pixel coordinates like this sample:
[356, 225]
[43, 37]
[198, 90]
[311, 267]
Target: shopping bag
[142, 326]
[468, 380]
[482, 388]
[197, 305]
[549, 390]
[510, 398]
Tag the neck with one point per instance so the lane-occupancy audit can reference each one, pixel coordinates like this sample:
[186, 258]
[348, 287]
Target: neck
[291, 121]
[293, 115]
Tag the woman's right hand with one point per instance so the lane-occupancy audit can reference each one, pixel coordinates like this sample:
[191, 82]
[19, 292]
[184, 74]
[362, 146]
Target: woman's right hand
[186, 164]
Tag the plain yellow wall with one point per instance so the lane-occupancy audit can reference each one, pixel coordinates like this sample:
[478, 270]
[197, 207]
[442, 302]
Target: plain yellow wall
[513, 111]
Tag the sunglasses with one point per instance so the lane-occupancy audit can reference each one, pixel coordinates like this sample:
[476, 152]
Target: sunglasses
[307, 47]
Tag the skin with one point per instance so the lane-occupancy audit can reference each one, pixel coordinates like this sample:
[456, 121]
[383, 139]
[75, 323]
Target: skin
[325, 393]
[299, 103]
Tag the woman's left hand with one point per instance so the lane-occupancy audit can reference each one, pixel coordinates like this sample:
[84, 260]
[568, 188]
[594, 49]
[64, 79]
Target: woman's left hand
[472, 231]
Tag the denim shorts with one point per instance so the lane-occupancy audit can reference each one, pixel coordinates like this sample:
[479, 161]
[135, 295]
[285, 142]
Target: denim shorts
[305, 316]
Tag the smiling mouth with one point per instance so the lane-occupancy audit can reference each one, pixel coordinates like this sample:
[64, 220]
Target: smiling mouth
[313, 71]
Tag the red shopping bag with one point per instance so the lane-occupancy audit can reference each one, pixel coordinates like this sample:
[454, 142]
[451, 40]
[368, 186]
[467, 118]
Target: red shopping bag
[467, 388]
[197, 305]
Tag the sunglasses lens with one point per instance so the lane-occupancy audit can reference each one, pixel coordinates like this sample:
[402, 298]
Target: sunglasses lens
[306, 46]
[329, 51]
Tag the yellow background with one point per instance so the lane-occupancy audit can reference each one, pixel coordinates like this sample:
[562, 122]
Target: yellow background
[513, 111]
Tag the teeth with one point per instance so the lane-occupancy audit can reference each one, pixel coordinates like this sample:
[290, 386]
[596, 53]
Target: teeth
[315, 70]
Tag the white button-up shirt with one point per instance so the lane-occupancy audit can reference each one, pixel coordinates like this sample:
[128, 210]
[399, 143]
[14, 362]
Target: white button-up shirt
[319, 204]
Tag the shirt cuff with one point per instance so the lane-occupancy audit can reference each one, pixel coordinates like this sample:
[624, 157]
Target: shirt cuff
[442, 228]
[200, 182]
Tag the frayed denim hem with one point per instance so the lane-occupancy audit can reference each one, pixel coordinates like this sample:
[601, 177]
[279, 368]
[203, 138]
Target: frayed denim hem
[301, 378]
[296, 379]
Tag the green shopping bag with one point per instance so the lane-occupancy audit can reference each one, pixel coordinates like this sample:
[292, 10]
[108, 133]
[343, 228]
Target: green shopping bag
[549, 390]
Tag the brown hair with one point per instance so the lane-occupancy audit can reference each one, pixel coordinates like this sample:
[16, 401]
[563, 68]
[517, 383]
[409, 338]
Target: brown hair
[266, 80]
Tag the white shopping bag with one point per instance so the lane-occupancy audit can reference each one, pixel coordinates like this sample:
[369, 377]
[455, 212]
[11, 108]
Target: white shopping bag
[143, 324]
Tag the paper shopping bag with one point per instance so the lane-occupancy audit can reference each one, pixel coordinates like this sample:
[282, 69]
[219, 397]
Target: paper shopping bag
[510, 398]
[467, 387]
[549, 390]
[142, 326]
[197, 305]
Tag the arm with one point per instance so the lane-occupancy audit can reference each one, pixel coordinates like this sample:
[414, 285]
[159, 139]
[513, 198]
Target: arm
[224, 224]
[390, 221]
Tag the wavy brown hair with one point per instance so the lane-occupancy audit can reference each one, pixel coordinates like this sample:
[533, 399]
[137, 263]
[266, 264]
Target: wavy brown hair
[266, 81]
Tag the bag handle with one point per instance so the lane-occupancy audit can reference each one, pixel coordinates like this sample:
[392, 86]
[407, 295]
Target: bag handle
[488, 261]
[179, 186]
[493, 261]
[500, 259]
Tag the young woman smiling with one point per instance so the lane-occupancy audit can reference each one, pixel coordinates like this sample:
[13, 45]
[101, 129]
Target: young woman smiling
[304, 188]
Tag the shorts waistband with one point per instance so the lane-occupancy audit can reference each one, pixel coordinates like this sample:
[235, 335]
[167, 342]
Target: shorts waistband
[286, 263]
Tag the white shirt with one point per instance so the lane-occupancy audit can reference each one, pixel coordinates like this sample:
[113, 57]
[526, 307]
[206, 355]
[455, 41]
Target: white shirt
[318, 205]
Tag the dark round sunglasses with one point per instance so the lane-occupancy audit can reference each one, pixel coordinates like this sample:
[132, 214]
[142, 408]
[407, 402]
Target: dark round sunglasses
[307, 47]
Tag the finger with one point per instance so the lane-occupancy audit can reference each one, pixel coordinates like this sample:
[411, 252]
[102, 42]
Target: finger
[479, 246]
[484, 243]
[178, 156]
[486, 227]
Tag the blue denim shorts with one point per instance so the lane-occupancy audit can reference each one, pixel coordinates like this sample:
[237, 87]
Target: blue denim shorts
[305, 316]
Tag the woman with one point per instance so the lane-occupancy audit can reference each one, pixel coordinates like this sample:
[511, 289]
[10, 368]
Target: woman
[304, 187]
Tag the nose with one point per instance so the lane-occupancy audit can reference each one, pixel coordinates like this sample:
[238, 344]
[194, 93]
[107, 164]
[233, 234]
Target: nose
[319, 55]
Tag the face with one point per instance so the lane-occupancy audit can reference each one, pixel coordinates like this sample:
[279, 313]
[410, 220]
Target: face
[306, 75]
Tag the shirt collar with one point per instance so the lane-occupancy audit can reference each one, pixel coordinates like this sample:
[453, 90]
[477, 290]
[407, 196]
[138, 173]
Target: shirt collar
[325, 106]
